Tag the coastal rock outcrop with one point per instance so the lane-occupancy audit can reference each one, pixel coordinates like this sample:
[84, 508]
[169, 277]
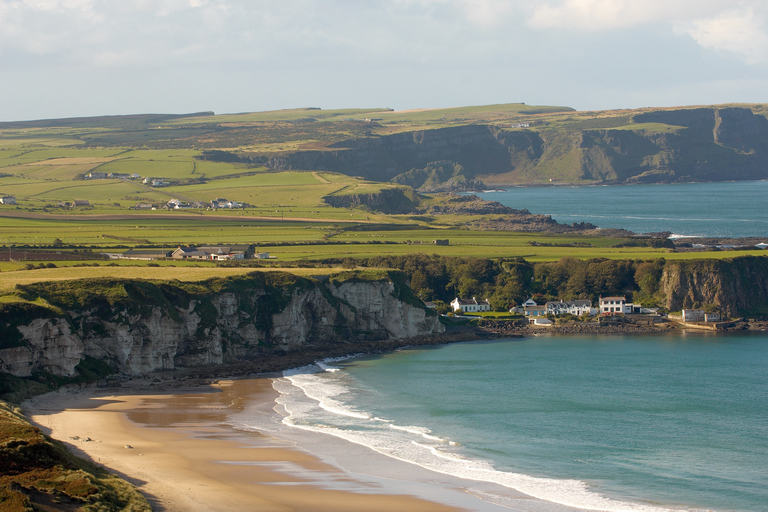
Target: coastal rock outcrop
[138, 326]
[734, 287]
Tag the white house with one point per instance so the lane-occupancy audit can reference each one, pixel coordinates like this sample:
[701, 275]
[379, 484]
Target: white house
[612, 305]
[572, 307]
[530, 302]
[470, 305]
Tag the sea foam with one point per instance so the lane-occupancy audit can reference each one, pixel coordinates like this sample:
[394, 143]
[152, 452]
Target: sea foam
[316, 401]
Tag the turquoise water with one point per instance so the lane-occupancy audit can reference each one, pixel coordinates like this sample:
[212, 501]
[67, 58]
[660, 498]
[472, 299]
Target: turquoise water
[609, 422]
[731, 209]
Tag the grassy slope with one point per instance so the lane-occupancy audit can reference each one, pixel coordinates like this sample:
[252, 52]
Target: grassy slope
[40, 474]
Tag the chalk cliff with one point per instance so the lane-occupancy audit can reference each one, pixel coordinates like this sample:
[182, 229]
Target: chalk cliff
[138, 326]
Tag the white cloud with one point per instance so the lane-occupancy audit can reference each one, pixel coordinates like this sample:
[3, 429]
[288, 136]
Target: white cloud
[741, 27]
[741, 32]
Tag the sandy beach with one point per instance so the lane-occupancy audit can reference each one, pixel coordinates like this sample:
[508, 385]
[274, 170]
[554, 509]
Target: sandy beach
[173, 445]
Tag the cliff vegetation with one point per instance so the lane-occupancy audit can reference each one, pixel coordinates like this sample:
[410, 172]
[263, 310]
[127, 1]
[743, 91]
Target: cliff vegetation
[38, 473]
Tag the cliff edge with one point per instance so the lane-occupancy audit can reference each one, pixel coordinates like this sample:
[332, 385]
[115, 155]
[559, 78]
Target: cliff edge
[136, 326]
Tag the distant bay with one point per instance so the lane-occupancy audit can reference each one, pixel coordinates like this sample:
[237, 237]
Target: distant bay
[724, 209]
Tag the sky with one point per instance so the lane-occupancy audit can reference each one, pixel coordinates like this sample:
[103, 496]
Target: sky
[71, 58]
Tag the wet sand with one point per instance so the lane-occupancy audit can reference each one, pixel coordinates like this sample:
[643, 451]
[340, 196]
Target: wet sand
[175, 446]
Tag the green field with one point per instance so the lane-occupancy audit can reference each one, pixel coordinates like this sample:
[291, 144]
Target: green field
[287, 214]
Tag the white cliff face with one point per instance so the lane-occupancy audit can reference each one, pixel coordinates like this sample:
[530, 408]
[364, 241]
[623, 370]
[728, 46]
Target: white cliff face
[218, 328]
[375, 307]
[50, 347]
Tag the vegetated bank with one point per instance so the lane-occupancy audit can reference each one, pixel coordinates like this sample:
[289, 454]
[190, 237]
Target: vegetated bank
[38, 473]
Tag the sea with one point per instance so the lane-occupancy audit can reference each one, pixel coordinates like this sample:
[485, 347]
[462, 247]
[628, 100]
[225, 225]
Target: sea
[725, 209]
[614, 423]
[642, 423]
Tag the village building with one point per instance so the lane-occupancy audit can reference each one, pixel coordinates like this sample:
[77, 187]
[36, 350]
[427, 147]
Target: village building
[143, 206]
[572, 307]
[8, 200]
[612, 305]
[159, 182]
[229, 252]
[224, 203]
[96, 176]
[441, 241]
[534, 311]
[118, 175]
[712, 317]
[470, 305]
[79, 203]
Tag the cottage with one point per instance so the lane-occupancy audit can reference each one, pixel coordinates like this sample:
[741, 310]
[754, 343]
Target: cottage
[441, 241]
[7, 200]
[612, 305]
[534, 311]
[712, 317]
[80, 203]
[143, 206]
[118, 175]
[572, 307]
[96, 176]
[159, 183]
[470, 305]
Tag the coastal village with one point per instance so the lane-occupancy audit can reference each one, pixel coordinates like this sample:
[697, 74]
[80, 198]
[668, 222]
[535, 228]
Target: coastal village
[543, 315]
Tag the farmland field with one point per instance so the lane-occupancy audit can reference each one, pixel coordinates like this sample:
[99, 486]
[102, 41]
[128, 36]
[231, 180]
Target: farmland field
[286, 212]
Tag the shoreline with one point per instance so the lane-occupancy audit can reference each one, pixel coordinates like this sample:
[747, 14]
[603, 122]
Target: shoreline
[176, 447]
[173, 437]
[177, 444]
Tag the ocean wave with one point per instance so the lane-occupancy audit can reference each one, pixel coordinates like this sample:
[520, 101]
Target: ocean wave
[316, 402]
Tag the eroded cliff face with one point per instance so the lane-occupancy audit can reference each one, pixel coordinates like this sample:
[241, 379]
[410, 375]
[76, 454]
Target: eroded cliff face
[735, 287]
[140, 327]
